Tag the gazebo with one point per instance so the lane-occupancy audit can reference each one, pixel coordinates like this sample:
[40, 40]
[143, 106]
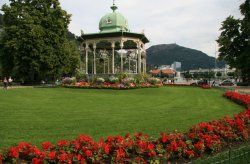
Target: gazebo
[115, 46]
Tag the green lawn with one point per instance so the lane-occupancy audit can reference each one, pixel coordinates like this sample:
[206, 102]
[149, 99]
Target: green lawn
[49, 114]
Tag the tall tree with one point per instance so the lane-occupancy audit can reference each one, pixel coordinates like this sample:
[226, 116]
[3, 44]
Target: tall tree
[1, 20]
[34, 45]
[234, 44]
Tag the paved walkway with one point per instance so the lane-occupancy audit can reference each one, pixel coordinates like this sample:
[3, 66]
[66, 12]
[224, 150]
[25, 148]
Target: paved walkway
[239, 89]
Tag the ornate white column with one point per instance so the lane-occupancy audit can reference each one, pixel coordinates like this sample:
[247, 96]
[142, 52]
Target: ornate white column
[94, 47]
[113, 57]
[121, 46]
[129, 65]
[136, 63]
[145, 63]
[86, 58]
[144, 60]
[108, 66]
[139, 58]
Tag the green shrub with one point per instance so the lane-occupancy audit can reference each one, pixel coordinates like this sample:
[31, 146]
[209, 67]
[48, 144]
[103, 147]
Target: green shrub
[80, 76]
[100, 80]
[141, 78]
[154, 80]
[69, 80]
[113, 80]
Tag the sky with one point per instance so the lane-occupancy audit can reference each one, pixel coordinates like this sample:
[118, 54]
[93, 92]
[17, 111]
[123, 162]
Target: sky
[190, 23]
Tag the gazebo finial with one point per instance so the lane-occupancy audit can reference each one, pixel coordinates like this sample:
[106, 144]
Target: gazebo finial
[114, 7]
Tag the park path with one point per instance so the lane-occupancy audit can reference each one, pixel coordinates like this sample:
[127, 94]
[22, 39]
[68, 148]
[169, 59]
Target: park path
[238, 89]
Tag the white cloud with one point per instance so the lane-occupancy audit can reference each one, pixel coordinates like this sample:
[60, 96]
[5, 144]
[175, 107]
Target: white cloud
[191, 23]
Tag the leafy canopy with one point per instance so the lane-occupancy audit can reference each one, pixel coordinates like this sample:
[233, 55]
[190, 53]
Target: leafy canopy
[234, 41]
[34, 45]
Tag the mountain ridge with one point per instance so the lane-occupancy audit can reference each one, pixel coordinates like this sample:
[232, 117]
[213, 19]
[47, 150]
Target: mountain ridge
[166, 54]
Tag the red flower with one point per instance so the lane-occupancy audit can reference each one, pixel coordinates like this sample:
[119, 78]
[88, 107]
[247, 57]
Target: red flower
[52, 155]
[191, 135]
[62, 143]
[79, 157]
[46, 145]
[37, 161]
[13, 153]
[120, 153]
[164, 139]
[173, 146]
[189, 153]
[106, 148]
[63, 158]
[199, 145]
[150, 146]
[37, 152]
[210, 128]
[88, 153]
[83, 161]
[152, 154]
[23, 145]
[1, 158]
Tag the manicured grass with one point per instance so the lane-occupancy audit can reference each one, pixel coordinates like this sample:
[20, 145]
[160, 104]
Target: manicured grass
[49, 114]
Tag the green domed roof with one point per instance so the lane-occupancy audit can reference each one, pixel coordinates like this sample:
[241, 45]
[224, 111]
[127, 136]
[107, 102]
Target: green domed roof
[113, 22]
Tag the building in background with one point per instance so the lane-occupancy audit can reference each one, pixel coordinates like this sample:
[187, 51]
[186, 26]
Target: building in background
[176, 66]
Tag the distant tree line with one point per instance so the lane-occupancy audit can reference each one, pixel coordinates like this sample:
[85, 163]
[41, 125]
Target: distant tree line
[35, 43]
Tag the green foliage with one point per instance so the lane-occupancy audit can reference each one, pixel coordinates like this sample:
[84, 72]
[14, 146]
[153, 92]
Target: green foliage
[231, 74]
[80, 76]
[122, 76]
[208, 75]
[196, 75]
[69, 80]
[234, 41]
[113, 80]
[34, 44]
[218, 74]
[1, 20]
[228, 41]
[234, 155]
[141, 78]
[187, 75]
[153, 80]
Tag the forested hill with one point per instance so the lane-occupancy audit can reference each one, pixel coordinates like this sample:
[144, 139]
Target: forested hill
[166, 54]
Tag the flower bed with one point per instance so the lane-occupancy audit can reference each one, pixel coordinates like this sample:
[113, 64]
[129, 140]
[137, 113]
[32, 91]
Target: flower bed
[184, 85]
[203, 138]
[205, 86]
[107, 85]
[238, 98]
